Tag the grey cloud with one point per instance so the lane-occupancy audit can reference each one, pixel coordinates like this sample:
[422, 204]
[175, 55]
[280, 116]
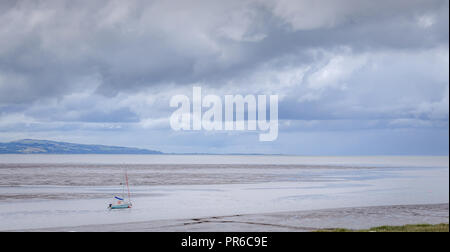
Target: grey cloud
[139, 44]
[387, 83]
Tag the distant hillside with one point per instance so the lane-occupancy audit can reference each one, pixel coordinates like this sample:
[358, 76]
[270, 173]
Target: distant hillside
[30, 146]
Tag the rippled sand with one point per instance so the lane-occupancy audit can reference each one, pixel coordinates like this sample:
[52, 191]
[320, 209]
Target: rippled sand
[158, 174]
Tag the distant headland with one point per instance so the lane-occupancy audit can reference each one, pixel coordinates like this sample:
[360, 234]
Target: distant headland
[32, 146]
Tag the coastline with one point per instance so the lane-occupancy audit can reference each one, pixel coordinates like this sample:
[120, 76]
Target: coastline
[292, 221]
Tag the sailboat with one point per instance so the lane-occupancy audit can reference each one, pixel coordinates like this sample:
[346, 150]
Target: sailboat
[121, 202]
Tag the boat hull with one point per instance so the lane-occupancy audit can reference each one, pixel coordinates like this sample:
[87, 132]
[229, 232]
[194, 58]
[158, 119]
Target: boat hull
[121, 206]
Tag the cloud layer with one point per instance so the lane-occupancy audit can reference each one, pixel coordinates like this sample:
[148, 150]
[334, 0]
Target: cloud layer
[344, 68]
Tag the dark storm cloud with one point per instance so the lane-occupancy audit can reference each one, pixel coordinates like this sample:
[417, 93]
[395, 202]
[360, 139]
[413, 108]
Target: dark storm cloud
[50, 47]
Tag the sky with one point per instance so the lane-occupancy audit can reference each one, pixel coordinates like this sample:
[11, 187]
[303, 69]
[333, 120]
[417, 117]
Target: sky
[354, 77]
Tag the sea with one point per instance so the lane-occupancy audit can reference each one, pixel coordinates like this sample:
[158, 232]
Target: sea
[43, 191]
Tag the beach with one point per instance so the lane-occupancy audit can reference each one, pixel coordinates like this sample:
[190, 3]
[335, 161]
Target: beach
[220, 192]
[300, 221]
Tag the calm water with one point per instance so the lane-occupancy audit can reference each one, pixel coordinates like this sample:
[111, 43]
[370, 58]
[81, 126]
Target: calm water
[66, 190]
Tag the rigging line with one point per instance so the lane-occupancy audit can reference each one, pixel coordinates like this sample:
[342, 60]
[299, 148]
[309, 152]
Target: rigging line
[126, 178]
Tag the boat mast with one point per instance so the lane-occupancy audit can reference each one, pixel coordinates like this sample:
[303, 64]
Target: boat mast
[128, 188]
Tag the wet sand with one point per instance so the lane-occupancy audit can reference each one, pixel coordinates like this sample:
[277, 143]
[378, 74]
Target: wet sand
[294, 221]
[220, 193]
